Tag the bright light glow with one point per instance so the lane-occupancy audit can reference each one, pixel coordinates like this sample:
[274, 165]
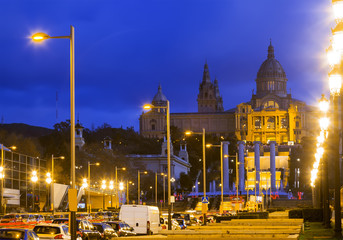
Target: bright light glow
[121, 186]
[145, 172]
[334, 57]
[188, 132]
[324, 123]
[97, 164]
[103, 186]
[1, 168]
[39, 37]
[13, 147]
[335, 82]
[338, 10]
[208, 145]
[172, 179]
[84, 183]
[324, 104]
[34, 177]
[123, 169]
[147, 106]
[48, 178]
[111, 185]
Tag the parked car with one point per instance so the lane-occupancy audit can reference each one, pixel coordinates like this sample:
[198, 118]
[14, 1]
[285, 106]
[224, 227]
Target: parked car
[106, 231]
[164, 224]
[9, 218]
[26, 218]
[182, 223]
[185, 216]
[52, 231]
[38, 217]
[13, 233]
[145, 219]
[122, 229]
[85, 229]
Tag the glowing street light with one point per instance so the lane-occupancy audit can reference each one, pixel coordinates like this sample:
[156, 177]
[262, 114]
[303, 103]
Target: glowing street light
[39, 37]
[148, 107]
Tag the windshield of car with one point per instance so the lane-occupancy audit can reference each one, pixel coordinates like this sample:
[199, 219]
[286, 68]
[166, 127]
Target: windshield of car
[12, 234]
[46, 230]
[8, 216]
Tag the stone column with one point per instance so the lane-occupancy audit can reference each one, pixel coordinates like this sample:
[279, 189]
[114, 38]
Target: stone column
[226, 183]
[213, 186]
[272, 166]
[241, 181]
[257, 164]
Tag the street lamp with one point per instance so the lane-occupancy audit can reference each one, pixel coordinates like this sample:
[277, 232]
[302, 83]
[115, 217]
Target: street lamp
[156, 174]
[127, 190]
[89, 182]
[2, 176]
[139, 185]
[117, 190]
[34, 179]
[39, 37]
[221, 172]
[103, 187]
[204, 205]
[53, 179]
[48, 180]
[150, 106]
[111, 188]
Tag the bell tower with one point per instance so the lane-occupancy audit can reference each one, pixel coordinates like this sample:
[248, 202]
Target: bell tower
[209, 99]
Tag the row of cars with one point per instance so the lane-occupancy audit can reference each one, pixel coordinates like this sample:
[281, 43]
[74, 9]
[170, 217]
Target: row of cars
[58, 229]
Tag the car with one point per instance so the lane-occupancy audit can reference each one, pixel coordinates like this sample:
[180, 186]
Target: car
[164, 224]
[85, 229]
[52, 231]
[26, 218]
[9, 218]
[185, 216]
[121, 228]
[14, 233]
[106, 231]
[38, 217]
[182, 223]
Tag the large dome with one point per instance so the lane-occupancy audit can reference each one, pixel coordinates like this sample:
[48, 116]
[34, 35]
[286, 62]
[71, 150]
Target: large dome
[271, 78]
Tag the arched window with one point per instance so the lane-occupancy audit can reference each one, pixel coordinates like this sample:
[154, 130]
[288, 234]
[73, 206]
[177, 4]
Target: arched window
[271, 104]
[153, 124]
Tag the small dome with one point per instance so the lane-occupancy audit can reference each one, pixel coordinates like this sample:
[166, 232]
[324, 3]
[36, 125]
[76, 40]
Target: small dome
[159, 99]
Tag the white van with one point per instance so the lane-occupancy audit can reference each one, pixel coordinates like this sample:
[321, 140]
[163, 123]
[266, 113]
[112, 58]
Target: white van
[144, 219]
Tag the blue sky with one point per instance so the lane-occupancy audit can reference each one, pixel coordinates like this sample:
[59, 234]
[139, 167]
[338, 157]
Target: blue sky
[125, 48]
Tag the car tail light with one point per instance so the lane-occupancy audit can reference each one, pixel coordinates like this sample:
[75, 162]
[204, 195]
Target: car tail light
[59, 236]
[164, 227]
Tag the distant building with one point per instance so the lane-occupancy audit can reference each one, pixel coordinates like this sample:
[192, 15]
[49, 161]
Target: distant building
[272, 114]
[158, 162]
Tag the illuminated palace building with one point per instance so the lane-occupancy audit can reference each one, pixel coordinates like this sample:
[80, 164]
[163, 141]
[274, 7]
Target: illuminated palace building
[271, 114]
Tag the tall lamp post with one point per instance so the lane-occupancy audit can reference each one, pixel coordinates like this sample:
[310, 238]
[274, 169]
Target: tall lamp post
[221, 172]
[34, 179]
[2, 177]
[48, 180]
[111, 188]
[39, 37]
[139, 186]
[335, 82]
[324, 123]
[103, 187]
[156, 174]
[204, 205]
[117, 187]
[53, 179]
[89, 182]
[150, 106]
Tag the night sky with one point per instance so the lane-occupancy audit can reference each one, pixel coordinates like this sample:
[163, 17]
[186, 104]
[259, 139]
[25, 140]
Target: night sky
[125, 48]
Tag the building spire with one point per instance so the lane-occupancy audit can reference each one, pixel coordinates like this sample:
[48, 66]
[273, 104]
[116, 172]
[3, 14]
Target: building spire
[206, 75]
[271, 50]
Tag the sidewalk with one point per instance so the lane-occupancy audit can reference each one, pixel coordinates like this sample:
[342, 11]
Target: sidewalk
[316, 230]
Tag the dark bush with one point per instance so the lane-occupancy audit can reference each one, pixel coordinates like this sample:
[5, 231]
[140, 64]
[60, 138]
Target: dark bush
[313, 215]
[295, 213]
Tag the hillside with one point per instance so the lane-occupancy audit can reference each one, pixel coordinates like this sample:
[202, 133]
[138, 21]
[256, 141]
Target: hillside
[25, 130]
